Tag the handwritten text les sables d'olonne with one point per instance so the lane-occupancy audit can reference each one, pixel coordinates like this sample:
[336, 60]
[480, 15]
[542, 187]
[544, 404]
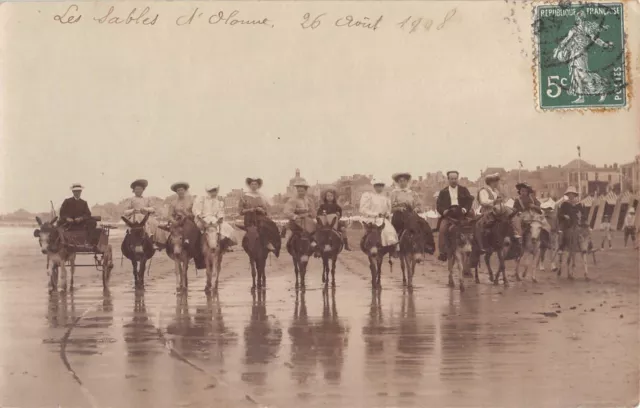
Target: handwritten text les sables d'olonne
[117, 16]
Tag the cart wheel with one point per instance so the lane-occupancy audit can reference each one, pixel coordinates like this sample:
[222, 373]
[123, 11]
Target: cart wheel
[107, 266]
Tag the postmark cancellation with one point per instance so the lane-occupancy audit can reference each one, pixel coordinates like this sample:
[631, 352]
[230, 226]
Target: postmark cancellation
[580, 56]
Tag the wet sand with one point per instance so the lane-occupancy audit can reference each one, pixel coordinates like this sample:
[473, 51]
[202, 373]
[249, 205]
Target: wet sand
[350, 346]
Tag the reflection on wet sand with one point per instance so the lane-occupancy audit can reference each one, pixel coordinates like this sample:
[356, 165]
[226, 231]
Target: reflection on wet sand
[459, 334]
[416, 338]
[140, 331]
[303, 350]
[262, 338]
[210, 332]
[61, 309]
[331, 339]
[373, 334]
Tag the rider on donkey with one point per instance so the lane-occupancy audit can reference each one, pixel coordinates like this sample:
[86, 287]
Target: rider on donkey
[376, 206]
[181, 206]
[136, 207]
[75, 215]
[254, 206]
[492, 207]
[209, 211]
[451, 196]
[405, 199]
[300, 207]
[570, 214]
[330, 206]
[527, 207]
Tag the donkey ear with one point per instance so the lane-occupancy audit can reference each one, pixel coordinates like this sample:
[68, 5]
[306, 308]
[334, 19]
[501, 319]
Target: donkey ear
[53, 221]
[144, 220]
[39, 221]
[36, 233]
[126, 221]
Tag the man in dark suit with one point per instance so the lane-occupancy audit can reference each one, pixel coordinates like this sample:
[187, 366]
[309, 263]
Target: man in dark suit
[75, 213]
[450, 196]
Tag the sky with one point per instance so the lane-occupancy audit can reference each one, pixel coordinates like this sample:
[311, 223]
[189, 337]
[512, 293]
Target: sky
[103, 105]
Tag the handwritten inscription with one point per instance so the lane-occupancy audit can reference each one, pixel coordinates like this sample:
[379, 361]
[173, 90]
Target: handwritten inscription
[117, 15]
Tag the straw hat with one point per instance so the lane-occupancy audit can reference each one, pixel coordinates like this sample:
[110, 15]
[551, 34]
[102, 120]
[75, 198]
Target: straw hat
[397, 176]
[377, 182]
[179, 184]
[139, 182]
[250, 180]
[209, 188]
[77, 187]
[302, 183]
[571, 190]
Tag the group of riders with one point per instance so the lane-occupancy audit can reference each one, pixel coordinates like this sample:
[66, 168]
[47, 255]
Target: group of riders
[386, 211]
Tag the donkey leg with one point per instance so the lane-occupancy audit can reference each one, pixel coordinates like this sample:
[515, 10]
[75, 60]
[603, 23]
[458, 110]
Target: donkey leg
[185, 275]
[379, 270]
[134, 265]
[143, 268]
[487, 261]
[559, 267]
[53, 278]
[208, 270]
[252, 262]
[532, 264]
[518, 260]
[571, 264]
[403, 266]
[325, 269]
[297, 271]
[178, 270]
[461, 270]
[218, 266]
[450, 262]
[586, 266]
[372, 268]
[333, 270]
[63, 278]
[72, 260]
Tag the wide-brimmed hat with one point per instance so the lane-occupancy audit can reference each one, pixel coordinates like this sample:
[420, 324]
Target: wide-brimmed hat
[453, 171]
[139, 182]
[397, 176]
[77, 187]
[179, 184]
[492, 177]
[302, 183]
[250, 180]
[377, 182]
[571, 190]
[210, 187]
[526, 185]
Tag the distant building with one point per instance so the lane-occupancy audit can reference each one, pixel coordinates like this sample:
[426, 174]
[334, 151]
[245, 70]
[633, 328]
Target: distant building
[630, 175]
[232, 201]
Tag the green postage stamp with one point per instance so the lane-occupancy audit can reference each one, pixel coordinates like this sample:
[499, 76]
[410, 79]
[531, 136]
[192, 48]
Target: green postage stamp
[580, 56]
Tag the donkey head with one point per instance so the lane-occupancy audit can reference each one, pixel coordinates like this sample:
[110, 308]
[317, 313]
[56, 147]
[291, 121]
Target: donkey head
[49, 237]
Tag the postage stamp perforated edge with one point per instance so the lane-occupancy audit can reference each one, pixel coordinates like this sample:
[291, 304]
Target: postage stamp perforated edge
[535, 67]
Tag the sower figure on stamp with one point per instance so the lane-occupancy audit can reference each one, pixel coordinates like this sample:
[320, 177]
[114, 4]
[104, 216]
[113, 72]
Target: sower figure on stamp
[404, 199]
[254, 208]
[492, 208]
[452, 196]
[329, 206]
[573, 49]
[75, 215]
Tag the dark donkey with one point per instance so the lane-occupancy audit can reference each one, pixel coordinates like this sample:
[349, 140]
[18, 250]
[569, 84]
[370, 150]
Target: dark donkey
[416, 239]
[52, 243]
[371, 245]
[300, 248]
[330, 244]
[255, 244]
[137, 247]
[499, 232]
[459, 243]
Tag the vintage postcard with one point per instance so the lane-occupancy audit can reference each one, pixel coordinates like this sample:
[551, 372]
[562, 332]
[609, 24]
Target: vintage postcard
[290, 204]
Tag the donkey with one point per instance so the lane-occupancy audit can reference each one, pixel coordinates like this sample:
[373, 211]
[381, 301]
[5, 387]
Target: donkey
[255, 246]
[330, 244]
[213, 249]
[137, 247]
[52, 243]
[300, 248]
[459, 244]
[575, 240]
[182, 246]
[498, 234]
[371, 245]
[413, 246]
[531, 246]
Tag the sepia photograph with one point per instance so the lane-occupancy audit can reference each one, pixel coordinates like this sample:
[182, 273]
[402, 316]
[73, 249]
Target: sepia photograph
[319, 203]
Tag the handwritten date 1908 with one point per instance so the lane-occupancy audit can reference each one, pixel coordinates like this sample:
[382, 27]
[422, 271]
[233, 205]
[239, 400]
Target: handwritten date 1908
[413, 24]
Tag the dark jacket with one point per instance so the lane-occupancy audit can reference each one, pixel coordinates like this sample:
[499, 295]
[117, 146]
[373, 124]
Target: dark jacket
[574, 212]
[329, 208]
[465, 199]
[519, 206]
[74, 208]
